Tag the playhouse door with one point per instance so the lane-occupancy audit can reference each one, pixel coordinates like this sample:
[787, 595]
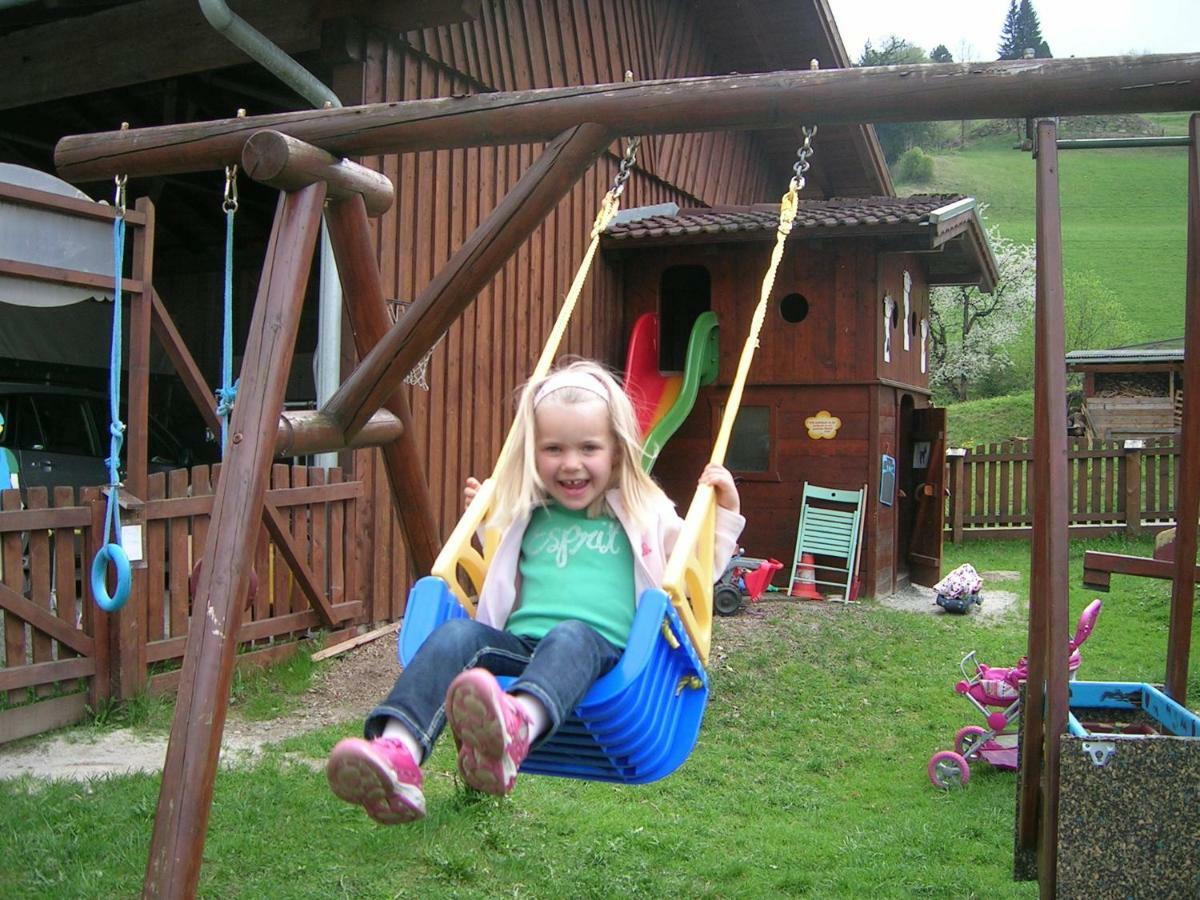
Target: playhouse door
[928, 461]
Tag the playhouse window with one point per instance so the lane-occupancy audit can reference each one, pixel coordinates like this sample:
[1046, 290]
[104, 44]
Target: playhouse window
[685, 292]
[750, 442]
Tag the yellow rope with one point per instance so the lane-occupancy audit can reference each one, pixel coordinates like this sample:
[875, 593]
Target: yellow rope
[689, 575]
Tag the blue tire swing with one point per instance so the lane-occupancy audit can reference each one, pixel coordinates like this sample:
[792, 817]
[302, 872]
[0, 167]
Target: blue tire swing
[112, 551]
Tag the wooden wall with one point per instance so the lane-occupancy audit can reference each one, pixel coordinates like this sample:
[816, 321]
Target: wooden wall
[442, 196]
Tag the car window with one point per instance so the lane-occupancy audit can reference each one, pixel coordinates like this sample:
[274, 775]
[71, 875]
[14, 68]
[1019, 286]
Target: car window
[64, 424]
[21, 430]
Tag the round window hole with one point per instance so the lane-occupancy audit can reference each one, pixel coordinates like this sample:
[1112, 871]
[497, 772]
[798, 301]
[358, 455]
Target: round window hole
[793, 308]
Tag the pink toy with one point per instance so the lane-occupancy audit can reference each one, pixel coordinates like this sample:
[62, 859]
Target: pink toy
[995, 692]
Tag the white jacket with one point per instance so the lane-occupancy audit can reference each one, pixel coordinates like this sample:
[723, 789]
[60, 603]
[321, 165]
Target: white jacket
[651, 548]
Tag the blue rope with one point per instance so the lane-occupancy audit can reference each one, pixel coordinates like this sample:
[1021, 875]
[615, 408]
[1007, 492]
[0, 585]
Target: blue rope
[111, 550]
[116, 428]
[227, 393]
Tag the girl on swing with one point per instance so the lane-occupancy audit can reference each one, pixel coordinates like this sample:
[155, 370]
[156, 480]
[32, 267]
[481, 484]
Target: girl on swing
[585, 531]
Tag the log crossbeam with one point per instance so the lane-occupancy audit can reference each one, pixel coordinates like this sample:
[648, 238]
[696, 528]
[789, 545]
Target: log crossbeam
[909, 93]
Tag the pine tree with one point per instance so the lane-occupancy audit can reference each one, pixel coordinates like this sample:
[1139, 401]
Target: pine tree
[1022, 30]
[1010, 46]
[941, 54]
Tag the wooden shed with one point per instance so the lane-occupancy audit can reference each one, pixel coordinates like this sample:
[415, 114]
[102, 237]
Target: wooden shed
[841, 377]
[1131, 392]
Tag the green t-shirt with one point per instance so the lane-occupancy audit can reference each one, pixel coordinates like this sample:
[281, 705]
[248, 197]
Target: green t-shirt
[573, 567]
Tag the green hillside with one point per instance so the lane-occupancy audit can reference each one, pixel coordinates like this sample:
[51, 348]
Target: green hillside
[1124, 214]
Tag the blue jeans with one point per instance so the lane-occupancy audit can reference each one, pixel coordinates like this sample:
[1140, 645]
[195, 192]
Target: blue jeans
[558, 670]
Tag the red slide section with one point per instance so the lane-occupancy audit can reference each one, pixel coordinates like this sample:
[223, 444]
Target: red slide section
[647, 387]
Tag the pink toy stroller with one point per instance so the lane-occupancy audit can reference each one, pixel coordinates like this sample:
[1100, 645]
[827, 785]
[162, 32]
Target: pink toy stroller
[995, 692]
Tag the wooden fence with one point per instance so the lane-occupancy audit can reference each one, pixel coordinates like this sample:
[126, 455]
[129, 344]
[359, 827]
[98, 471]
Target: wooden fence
[1118, 486]
[61, 654]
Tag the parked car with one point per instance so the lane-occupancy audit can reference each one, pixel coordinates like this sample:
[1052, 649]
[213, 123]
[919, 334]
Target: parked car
[59, 436]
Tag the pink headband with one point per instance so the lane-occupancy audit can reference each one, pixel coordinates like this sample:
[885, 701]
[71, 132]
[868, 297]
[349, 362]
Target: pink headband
[580, 380]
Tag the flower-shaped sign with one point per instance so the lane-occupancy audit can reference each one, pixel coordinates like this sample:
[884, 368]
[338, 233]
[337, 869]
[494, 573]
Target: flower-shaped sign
[823, 425]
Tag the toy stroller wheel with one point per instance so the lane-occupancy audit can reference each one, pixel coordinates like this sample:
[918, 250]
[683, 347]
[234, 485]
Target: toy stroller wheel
[727, 600]
[948, 769]
[968, 739]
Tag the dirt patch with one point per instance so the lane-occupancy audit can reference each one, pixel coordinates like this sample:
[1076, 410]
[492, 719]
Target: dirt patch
[345, 690]
[918, 599]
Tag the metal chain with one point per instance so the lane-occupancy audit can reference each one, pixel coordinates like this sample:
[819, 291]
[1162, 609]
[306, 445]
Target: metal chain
[802, 163]
[630, 157]
[626, 167]
[230, 203]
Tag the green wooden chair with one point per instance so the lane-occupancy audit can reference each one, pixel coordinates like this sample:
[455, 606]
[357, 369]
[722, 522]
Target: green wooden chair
[828, 542]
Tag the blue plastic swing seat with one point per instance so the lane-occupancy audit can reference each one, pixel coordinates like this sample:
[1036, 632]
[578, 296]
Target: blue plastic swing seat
[637, 724]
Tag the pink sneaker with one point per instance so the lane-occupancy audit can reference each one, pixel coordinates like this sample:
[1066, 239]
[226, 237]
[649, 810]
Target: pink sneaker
[491, 729]
[380, 776]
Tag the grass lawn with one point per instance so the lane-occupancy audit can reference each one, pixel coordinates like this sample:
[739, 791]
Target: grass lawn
[809, 780]
[1123, 215]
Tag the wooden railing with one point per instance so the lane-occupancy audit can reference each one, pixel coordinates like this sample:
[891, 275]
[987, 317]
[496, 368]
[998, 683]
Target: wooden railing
[1119, 486]
[58, 652]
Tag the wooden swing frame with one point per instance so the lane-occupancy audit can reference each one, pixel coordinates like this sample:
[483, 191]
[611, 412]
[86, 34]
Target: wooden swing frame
[307, 172]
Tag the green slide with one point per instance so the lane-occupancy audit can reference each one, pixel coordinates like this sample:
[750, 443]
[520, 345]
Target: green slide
[700, 368]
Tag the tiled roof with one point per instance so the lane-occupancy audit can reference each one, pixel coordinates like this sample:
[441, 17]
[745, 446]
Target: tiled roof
[1125, 356]
[853, 212]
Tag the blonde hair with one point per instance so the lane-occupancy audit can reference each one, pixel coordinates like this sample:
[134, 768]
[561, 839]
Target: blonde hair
[519, 488]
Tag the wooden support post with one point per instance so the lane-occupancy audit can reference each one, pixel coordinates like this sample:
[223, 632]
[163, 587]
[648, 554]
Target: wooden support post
[958, 500]
[1187, 493]
[910, 93]
[471, 267]
[1045, 717]
[366, 308]
[1132, 466]
[185, 799]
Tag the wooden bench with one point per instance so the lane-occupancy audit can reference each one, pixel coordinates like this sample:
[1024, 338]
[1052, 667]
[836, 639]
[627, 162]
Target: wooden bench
[1098, 568]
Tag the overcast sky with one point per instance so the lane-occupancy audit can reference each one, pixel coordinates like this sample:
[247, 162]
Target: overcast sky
[970, 29]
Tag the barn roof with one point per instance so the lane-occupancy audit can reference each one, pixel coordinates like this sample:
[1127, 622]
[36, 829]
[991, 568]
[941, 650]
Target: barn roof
[775, 35]
[944, 226]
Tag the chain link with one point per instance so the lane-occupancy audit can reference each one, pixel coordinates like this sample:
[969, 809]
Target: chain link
[626, 167]
[230, 203]
[802, 163]
[119, 193]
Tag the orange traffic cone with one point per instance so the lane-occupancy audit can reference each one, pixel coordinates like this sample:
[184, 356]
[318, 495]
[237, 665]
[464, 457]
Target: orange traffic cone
[804, 580]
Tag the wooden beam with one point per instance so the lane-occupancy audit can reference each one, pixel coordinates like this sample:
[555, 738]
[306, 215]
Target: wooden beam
[1187, 494]
[472, 266]
[1046, 689]
[185, 364]
[292, 555]
[148, 41]
[937, 92]
[1098, 566]
[185, 799]
[353, 642]
[288, 164]
[366, 308]
[45, 621]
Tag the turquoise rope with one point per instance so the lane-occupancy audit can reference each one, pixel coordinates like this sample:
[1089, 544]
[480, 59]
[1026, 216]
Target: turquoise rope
[112, 549]
[227, 393]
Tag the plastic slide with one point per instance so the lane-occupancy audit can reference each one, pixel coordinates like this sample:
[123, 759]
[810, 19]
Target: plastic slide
[662, 402]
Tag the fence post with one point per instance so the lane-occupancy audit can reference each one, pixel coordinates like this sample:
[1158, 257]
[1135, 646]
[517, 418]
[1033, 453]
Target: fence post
[1133, 487]
[956, 456]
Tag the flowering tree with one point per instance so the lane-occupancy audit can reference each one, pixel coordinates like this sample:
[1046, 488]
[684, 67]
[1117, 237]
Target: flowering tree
[971, 332]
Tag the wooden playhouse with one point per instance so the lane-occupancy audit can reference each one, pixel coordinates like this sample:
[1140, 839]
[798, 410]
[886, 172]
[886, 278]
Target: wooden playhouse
[841, 378]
